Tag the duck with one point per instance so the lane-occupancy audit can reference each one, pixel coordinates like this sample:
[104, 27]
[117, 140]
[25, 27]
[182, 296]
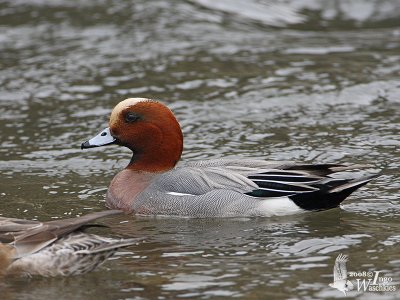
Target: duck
[55, 248]
[155, 183]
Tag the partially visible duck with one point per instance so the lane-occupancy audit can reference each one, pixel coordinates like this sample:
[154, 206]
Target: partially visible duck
[54, 248]
[152, 184]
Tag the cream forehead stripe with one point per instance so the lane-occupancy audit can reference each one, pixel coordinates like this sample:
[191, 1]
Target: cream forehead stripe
[122, 105]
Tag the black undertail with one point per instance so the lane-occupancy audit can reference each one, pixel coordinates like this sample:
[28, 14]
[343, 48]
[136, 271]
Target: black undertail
[326, 199]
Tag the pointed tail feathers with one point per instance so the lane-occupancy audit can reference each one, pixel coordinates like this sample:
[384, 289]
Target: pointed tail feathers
[353, 184]
[330, 198]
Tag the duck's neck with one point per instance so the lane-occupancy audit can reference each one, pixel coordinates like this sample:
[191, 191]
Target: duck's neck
[153, 161]
[158, 150]
[126, 186]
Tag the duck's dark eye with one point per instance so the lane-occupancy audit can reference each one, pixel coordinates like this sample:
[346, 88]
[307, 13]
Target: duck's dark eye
[131, 117]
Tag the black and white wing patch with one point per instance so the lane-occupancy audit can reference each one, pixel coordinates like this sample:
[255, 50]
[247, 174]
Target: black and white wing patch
[309, 186]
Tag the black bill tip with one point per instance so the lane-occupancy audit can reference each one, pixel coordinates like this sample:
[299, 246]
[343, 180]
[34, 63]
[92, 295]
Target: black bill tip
[87, 145]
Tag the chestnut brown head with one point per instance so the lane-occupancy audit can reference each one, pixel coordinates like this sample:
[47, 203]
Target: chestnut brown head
[149, 129]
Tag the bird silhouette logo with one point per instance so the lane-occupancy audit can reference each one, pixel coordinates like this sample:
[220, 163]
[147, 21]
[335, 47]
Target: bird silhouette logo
[340, 281]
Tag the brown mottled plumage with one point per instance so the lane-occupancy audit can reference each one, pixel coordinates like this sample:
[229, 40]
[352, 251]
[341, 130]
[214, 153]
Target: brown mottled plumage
[56, 247]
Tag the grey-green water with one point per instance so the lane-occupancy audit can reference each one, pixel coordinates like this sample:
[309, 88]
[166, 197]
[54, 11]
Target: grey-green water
[314, 81]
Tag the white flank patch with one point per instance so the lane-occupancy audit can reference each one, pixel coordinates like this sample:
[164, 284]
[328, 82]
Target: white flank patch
[278, 207]
[179, 194]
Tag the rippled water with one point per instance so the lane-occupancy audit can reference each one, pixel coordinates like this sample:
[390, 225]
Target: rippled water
[314, 81]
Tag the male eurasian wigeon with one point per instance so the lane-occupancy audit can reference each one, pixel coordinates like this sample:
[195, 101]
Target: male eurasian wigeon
[152, 184]
[55, 248]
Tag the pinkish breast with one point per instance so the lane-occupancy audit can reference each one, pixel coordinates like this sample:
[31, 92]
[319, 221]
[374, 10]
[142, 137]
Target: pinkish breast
[125, 187]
